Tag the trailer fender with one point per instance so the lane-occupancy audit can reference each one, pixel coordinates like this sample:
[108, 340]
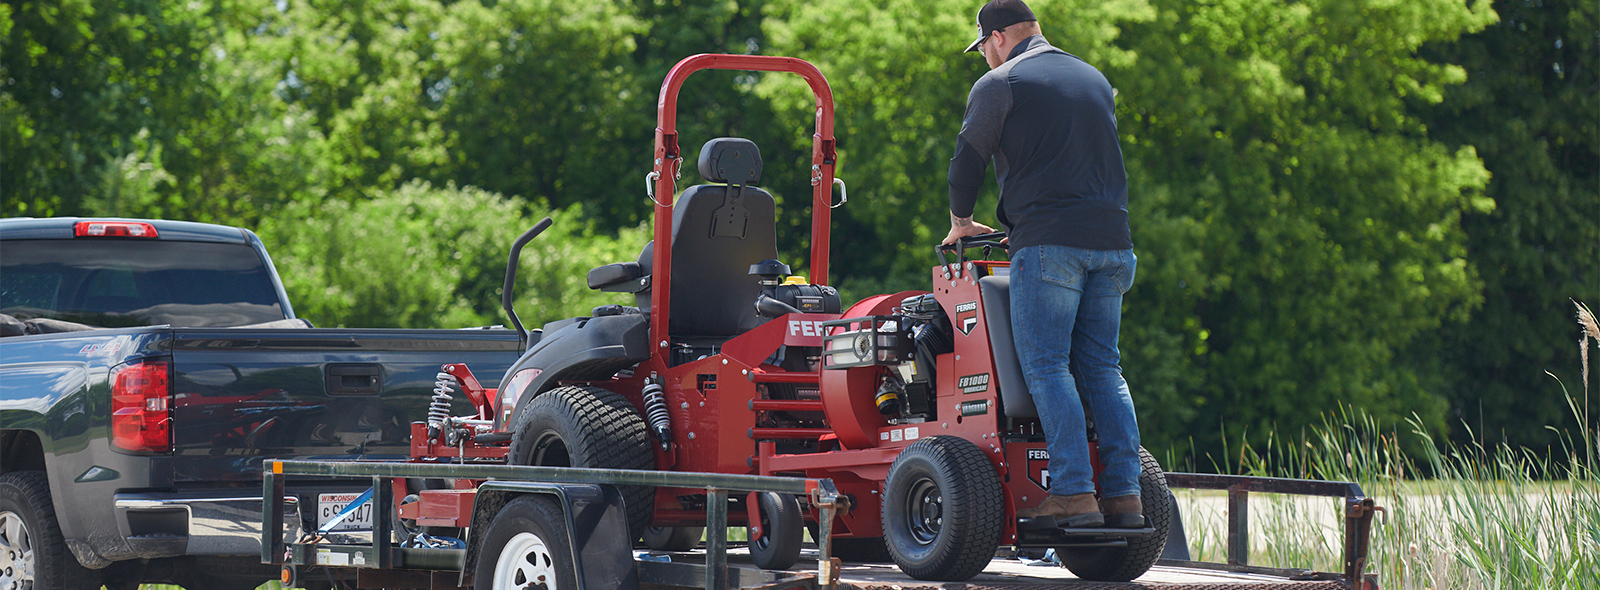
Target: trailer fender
[577, 349]
[596, 522]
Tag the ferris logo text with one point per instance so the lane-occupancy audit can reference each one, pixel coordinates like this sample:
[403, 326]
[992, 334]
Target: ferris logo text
[805, 328]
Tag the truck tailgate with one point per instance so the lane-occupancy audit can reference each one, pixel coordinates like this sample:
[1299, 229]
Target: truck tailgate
[243, 395]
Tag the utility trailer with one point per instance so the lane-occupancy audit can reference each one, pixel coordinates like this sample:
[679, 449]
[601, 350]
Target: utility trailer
[556, 528]
[569, 526]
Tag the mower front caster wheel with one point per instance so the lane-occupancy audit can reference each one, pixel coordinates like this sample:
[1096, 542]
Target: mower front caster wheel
[942, 509]
[782, 531]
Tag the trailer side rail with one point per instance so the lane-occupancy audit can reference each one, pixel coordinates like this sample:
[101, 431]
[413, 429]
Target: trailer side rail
[821, 492]
[1358, 512]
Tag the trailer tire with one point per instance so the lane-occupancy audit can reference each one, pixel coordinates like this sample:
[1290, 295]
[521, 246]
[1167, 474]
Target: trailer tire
[527, 542]
[782, 530]
[942, 509]
[31, 546]
[1121, 564]
[590, 427]
[673, 538]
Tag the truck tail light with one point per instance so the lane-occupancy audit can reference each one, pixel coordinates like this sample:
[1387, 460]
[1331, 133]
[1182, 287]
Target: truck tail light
[140, 417]
[113, 229]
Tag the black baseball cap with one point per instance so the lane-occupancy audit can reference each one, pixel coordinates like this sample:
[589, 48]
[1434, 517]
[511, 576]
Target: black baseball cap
[999, 14]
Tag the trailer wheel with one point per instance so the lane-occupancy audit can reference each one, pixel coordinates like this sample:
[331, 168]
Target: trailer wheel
[527, 546]
[942, 509]
[32, 551]
[673, 538]
[782, 530]
[1121, 564]
[588, 427]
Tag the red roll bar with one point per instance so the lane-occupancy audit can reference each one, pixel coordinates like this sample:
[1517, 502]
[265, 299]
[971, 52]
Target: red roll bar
[668, 163]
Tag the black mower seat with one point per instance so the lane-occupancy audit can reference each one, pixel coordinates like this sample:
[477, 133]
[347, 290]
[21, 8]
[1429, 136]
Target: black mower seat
[718, 232]
[1015, 401]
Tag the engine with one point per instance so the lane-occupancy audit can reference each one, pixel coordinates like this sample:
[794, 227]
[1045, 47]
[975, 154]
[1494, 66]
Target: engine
[906, 344]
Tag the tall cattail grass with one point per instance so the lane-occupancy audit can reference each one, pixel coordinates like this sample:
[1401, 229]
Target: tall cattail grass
[1483, 516]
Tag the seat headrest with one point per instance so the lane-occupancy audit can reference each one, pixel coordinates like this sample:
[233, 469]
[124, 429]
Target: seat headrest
[731, 160]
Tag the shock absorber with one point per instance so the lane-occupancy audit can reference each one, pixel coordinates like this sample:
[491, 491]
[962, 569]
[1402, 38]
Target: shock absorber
[439, 408]
[655, 409]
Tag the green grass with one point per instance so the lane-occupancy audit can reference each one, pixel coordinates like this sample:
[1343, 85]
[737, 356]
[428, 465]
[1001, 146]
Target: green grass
[1486, 517]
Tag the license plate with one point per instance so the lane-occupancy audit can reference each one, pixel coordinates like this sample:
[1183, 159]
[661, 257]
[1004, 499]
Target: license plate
[330, 505]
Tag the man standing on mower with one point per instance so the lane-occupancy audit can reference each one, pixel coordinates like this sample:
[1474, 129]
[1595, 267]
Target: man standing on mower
[1047, 120]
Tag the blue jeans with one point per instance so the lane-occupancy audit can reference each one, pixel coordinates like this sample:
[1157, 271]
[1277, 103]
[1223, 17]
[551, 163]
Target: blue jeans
[1066, 309]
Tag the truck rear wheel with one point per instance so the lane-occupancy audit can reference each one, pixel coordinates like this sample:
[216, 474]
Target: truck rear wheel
[1121, 564]
[527, 546]
[588, 427]
[942, 509]
[782, 530]
[32, 551]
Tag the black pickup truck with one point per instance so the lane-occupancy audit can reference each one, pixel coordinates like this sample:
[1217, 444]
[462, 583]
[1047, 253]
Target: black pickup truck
[148, 368]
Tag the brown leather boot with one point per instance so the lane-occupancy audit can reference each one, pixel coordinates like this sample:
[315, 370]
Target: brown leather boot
[1075, 511]
[1124, 512]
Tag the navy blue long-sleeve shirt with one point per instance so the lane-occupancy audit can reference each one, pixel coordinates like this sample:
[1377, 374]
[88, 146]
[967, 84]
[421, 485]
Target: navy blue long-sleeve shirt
[1048, 120]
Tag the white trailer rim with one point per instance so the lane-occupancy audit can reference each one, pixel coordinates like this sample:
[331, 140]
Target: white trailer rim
[525, 562]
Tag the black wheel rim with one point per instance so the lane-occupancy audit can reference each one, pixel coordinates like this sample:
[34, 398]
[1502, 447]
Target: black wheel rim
[550, 451]
[924, 512]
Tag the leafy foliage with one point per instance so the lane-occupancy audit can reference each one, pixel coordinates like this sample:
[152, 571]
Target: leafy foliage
[423, 256]
[1361, 202]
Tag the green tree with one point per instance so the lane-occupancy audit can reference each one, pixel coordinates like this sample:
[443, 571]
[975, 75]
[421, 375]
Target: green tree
[1301, 229]
[1296, 227]
[429, 257]
[80, 82]
[1530, 109]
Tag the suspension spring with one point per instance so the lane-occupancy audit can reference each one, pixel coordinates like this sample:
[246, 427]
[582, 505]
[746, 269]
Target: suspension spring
[439, 408]
[655, 407]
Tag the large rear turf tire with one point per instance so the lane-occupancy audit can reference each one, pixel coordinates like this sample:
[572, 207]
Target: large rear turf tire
[588, 427]
[1121, 564]
[32, 552]
[942, 509]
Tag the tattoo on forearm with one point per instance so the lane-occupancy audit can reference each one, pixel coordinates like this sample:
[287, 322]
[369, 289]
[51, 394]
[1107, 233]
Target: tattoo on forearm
[960, 221]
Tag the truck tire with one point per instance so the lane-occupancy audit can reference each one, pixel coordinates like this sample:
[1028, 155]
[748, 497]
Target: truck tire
[1121, 564]
[32, 551]
[782, 530]
[574, 426]
[527, 546]
[942, 510]
[673, 538]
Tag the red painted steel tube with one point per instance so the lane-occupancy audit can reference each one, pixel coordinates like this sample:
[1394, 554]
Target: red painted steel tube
[802, 378]
[788, 433]
[786, 405]
[669, 160]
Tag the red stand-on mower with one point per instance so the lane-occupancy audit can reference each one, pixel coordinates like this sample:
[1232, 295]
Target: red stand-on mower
[913, 403]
